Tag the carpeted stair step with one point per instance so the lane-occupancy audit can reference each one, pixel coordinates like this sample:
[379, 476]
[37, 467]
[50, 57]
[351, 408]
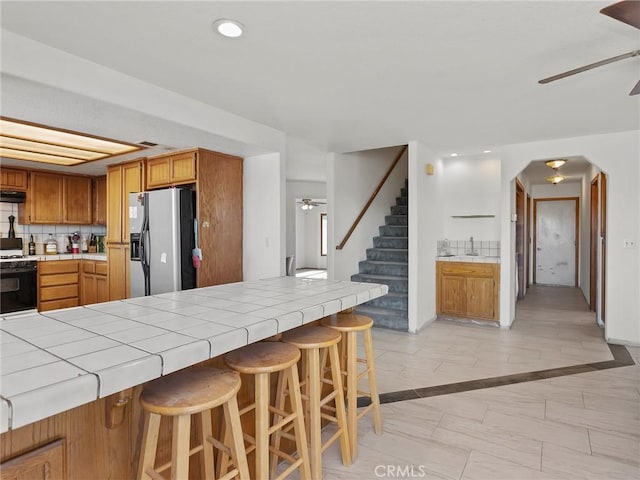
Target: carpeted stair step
[385, 318]
[376, 267]
[396, 220]
[399, 210]
[392, 300]
[395, 284]
[402, 200]
[388, 254]
[394, 231]
[391, 242]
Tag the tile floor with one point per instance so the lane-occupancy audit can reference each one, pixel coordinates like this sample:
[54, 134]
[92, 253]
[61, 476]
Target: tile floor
[582, 426]
[311, 273]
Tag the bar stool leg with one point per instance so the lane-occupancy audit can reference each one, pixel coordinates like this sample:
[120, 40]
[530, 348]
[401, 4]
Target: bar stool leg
[207, 449]
[373, 384]
[277, 435]
[180, 446]
[336, 378]
[236, 443]
[352, 391]
[262, 425]
[315, 424]
[150, 443]
[301, 438]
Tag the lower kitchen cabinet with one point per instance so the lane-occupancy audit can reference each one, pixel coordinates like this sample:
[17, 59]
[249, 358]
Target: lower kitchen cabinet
[46, 462]
[94, 284]
[468, 290]
[58, 284]
[118, 275]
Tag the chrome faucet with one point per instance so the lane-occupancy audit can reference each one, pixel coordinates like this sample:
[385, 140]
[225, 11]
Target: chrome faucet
[472, 252]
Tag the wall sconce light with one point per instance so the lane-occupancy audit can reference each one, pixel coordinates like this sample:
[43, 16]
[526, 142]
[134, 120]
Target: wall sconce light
[428, 169]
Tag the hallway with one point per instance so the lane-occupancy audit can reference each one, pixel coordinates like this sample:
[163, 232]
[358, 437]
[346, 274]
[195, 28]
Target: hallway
[551, 424]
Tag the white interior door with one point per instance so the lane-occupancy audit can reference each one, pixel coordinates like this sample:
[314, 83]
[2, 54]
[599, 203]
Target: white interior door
[556, 242]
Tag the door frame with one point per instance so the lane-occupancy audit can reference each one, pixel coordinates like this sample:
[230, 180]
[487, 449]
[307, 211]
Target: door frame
[520, 201]
[603, 241]
[593, 243]
[577, 232]
[528, 244]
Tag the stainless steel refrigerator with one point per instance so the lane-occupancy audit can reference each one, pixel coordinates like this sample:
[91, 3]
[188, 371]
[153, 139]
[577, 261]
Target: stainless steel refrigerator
[161, 225]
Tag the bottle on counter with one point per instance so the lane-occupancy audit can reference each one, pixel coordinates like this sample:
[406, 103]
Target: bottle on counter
[32, 246]
[51, 247]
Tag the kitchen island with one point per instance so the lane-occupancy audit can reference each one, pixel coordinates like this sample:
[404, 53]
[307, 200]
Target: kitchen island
[76, 373]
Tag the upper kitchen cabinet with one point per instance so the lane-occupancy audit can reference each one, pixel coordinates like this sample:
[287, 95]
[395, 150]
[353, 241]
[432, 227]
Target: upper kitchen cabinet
[15, 180]
[54, 198]
[44, 199]
[172, 169]
[100, 200]
[122, 179]
[77, 200]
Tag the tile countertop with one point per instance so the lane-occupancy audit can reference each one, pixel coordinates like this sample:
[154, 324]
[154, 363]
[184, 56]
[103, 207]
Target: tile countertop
[469, 258]
[57, 360]
[61, 256]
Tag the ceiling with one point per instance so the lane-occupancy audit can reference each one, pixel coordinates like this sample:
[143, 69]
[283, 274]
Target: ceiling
[346, 76]
[574, 171]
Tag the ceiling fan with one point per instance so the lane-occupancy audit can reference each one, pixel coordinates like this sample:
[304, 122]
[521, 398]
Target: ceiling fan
[627, 11]
[308, 204]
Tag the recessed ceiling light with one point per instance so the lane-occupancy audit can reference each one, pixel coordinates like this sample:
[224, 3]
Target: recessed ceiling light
[228, 28]
[453, 155]
[486, 151]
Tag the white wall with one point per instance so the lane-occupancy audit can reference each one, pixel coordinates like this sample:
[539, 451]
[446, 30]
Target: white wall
[308, 238]
[263, 215]
[351, 179]
[425, 229]
[305, 162]
[617, 154]
[556, 191]
[471, 187]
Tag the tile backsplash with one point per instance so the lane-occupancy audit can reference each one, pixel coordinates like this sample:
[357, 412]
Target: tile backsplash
[41, 232]
[487, 248]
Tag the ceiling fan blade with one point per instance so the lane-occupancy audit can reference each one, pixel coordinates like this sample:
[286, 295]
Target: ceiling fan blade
[627, 11]
[607, 61]
[636, 89]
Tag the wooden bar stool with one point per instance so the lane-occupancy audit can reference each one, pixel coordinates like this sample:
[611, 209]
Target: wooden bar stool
[314, 341]
[349, 324]
[184, 394]
[260, 360]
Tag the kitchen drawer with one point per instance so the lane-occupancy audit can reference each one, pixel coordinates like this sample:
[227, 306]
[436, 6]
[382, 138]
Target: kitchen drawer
[88, 266]
[60, 266]
[59, 292]
[467, 269]
[57, 304]
[101, 268]
[58, 279]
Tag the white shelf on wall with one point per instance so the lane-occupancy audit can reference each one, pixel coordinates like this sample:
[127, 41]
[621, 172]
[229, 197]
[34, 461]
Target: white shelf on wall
[473, 216]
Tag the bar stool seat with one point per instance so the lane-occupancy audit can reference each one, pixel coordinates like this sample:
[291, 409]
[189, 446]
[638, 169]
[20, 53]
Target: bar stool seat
[316, 342]
[260, 360]
[181, 395]
[349, 325]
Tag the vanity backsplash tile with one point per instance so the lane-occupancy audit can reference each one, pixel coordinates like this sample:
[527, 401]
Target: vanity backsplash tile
[487, 248]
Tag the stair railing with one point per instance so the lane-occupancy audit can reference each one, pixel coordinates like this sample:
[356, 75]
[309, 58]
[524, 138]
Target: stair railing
[341, 245]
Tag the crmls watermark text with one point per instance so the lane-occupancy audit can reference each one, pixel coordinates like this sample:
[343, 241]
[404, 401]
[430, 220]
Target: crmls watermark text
[400, 471]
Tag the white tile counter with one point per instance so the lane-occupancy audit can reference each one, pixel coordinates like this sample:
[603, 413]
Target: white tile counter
[61, 256]
[57, 360]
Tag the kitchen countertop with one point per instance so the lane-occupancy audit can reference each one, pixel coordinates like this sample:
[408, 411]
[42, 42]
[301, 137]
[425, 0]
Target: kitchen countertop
[60, 256]
[57, 360]
[468, 258]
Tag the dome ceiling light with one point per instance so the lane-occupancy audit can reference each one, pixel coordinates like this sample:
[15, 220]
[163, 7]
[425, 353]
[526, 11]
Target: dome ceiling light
[228, 28]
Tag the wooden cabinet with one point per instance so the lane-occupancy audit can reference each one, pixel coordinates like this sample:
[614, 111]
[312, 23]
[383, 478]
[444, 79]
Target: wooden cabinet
[469, 290]
[118, 274]
[94, 285]
[15, 180]
[122, 180]
[58, 284]
[100, 200]
[44, 463]
[53, 198]
[173, 169]
[44, 199]
[77, 201]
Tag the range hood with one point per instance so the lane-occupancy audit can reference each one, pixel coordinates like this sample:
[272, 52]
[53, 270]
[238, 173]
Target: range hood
[10, 196]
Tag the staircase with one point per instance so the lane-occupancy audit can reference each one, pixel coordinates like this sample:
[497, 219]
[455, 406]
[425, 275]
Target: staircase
[388, 263]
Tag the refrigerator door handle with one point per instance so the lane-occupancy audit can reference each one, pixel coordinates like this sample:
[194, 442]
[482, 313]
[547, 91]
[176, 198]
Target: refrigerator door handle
[144, 254]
